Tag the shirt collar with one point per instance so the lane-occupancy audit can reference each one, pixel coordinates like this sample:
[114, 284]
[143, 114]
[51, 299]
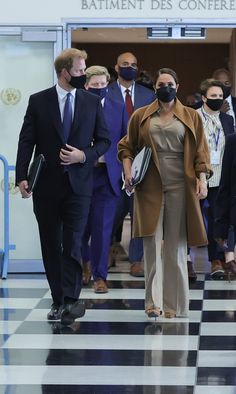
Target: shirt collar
[62, 92]
[123, 88]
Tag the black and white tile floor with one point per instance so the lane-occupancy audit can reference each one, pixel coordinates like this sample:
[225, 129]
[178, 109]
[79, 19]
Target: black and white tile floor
[115, 348]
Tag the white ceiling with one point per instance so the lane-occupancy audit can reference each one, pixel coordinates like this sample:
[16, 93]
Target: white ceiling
[139, 35]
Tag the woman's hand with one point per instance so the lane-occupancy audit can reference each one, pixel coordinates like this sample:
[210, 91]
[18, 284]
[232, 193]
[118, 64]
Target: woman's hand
[129, 183]
[201, 189]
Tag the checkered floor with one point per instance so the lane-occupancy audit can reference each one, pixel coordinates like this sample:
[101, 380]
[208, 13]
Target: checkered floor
[115, 348]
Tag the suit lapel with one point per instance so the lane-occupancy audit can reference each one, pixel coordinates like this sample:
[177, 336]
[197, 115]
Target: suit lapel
[78, 111]
[55, 111]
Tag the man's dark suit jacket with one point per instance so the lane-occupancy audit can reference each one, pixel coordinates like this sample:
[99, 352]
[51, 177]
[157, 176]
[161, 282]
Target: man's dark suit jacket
[142, 96]
[226, 198]
[227, 122]
[42, 129]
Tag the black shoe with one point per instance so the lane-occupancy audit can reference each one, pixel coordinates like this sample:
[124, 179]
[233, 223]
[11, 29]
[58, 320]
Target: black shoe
[72, 311]
[55, 312]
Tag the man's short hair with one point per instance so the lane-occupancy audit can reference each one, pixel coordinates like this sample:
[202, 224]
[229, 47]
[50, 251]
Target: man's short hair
[96, 70]
[65, 59]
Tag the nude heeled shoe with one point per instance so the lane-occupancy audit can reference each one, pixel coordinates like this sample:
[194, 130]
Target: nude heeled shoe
[153, 312]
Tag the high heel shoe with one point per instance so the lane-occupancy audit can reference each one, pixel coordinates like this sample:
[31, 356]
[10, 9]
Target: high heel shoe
[230, 269]
[153, 312]
[169, 314]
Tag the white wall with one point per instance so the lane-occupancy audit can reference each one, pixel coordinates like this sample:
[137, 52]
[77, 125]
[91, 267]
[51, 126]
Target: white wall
[57, 11]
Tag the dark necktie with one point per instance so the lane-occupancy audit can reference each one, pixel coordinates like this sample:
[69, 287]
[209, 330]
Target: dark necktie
[67, 117]
[128, 103]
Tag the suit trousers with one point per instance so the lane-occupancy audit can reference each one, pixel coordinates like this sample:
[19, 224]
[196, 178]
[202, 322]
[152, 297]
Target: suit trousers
[125, 206]
[99, 227]
[166, 276]
[62, 218]
[214, 251]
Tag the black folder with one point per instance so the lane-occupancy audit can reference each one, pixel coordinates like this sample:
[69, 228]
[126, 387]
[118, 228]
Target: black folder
[34, 171]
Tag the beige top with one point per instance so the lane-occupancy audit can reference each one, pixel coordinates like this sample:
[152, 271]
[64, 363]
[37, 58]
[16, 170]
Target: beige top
[169, 141]
[167, 137]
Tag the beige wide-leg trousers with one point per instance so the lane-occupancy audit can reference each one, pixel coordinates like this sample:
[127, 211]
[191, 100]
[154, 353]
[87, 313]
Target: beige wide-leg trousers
[165, 263]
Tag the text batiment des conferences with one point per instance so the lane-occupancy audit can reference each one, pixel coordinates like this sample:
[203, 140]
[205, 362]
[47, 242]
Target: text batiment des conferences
[158, 4]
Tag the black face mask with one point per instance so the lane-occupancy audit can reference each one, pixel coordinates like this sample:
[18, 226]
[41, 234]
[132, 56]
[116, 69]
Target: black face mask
[166, 94]
[78, 82]
[226, 91]
[214, 104]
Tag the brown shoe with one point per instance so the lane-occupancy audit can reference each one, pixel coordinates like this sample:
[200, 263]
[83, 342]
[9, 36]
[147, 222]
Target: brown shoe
[100, 286]
[86, 273]
[230, 269]
[136, 269]
[192, 276]
[119, 252]
[217, 270]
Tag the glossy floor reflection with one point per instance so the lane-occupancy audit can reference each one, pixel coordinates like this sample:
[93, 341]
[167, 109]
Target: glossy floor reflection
[115, 348]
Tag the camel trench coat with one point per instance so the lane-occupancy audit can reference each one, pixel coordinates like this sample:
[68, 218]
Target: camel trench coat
[148, 194]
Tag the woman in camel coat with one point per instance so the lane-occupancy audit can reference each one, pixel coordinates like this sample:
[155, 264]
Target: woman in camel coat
[166, 202]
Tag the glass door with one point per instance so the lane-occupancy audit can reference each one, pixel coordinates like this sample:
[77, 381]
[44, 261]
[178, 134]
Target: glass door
[26, 64]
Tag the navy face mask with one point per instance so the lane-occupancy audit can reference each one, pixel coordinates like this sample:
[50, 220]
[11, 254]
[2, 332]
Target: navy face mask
[166, 94]
[78, 82]
[101, 92]
[128, 73]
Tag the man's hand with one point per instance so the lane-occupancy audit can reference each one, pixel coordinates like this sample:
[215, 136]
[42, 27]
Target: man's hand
[222, 243]
[225, 107]
[201, 189]
[23, 186]
[71, 155]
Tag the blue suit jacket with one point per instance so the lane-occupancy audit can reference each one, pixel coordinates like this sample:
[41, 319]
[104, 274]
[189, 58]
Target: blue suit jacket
[116, 120]
[142, 96]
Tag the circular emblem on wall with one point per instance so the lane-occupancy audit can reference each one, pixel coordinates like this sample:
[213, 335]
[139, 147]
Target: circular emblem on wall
[11, 186]
[10, 96]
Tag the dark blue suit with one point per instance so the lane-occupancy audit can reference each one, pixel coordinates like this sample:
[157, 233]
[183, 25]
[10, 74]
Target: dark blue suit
[106, 193]
[142, 97]
[62, 195]
[226, 198]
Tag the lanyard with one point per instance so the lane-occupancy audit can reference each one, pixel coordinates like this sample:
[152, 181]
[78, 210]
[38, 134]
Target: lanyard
[216, 135]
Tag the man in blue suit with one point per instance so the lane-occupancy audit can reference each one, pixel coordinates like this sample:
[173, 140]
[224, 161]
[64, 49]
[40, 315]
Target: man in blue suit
[67, 126]
[106, 183]
[125, 90]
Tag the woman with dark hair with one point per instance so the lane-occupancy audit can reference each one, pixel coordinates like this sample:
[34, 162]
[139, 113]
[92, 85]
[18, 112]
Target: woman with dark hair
[166, 202]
